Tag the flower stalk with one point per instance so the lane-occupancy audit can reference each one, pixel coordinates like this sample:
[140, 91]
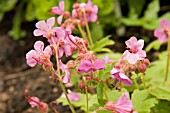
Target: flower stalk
[167, 63]
[81, 31]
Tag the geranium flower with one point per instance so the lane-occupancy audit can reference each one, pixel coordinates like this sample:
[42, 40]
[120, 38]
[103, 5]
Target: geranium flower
[59, 10]
[135, 53]
[87, 66]
[120, 76]
[162, 33]
[122, 105]
[39, 55]
[45, 29]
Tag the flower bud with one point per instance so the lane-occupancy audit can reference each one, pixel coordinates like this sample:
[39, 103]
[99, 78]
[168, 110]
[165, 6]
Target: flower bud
[66, 14]
[125, 67]
[76, 5]
[146, 62]
[132, 67]
[71, 64]
[81, 85]
[142, 68]
[109, 106]
[43, 107]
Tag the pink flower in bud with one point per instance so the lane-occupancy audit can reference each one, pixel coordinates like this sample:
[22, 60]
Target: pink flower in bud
[135, 53]
[73, 96]
[120, 76]
[39, 55]
[107, 60]
[122, 105]
[45, 29]
[59, 10]
[162, 33]
[87, 66]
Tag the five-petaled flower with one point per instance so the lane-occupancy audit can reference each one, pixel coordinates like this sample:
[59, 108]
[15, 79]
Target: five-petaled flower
[135, 53]
[163, 33]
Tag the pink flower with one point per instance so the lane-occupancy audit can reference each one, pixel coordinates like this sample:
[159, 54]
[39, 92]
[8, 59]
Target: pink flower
[45, 29]
[59, 10]
[120, 76]
[39, 55]
[35, 102]
[66, 70]
[122, 105]
[65, 45]
[91, 12]
[162, 33]
[73, 96]
[135, 53]
[87, 66]
[107, 60]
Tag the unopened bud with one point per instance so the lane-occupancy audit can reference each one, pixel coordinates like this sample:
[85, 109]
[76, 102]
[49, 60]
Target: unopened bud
[76, 5]
[43, 107]
[142, 68]
[132, 67]
[82, 85]
[146, 62]
[117, 65]
[88, 10]
[66, 14]
[125, 67]
[71, 64]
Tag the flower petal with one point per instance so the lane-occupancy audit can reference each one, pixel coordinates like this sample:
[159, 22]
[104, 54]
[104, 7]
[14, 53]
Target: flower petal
[39, 46]
[59, 19]
[41, 25]
[164, 23]
[51, 22]
[61, 5]
[38, 32]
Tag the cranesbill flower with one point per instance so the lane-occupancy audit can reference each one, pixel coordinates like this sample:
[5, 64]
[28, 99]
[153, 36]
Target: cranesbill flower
[73, 96]
[45, 29]
[122, 105]
[87, 66]
[162, 33]
[59, 10]
[116, 73]
[135, 53]
[39, 55]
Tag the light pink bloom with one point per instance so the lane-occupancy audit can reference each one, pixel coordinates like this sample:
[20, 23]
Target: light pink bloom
[39, 55]
[62, 37]
[135, 53]
[162, 33]
[87, 66]
[59, 10]
[122, 105]
[73, 96]
[66, 70]
[107, 60]
[45, 29]
[120, 76]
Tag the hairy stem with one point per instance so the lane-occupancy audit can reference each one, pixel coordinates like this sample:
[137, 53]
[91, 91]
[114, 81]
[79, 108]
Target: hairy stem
[87, 100]
[88, 30]
[59, 76]
[167, 63]
[104, 90]
[143, 80]
[81, 31]
[136, 84]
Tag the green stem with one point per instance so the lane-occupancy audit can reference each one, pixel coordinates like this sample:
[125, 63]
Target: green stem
[136, 84]
[81, 31]
[59, 76]
[87, 100]
[143, 80]
[88, 30]
[167, 63]
[105, 94]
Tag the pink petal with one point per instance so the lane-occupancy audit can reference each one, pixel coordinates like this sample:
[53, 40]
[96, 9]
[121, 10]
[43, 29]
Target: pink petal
[61, 5]
[161, 35]
[164, 23]
[123, 104]
[140, 44]
[67, 50]
[60, 33]
[142, 54]
[38, 32]
[107, 60]
[51, 22]
[60, 52]
[73, 96]
[59, 19]
[125, 79]
[93, 18]
[114, 71]
[48, 51]
[95, 9]
[85, 66]
[56, 10]
[39, 46]
[34, 101]
[98, 65]
[130, 43]
[41, 25]
[31, 62]
[66, 77]
[130, 57]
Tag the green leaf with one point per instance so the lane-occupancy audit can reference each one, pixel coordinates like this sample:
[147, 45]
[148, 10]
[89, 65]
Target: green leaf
[142, 101]
[113, 95]
[102, 43]
[161, 92]
[103, 111]
[156, 44]
[30, 13]
[101, 101]
[7, 5]
[96, 32]
[161, 107]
